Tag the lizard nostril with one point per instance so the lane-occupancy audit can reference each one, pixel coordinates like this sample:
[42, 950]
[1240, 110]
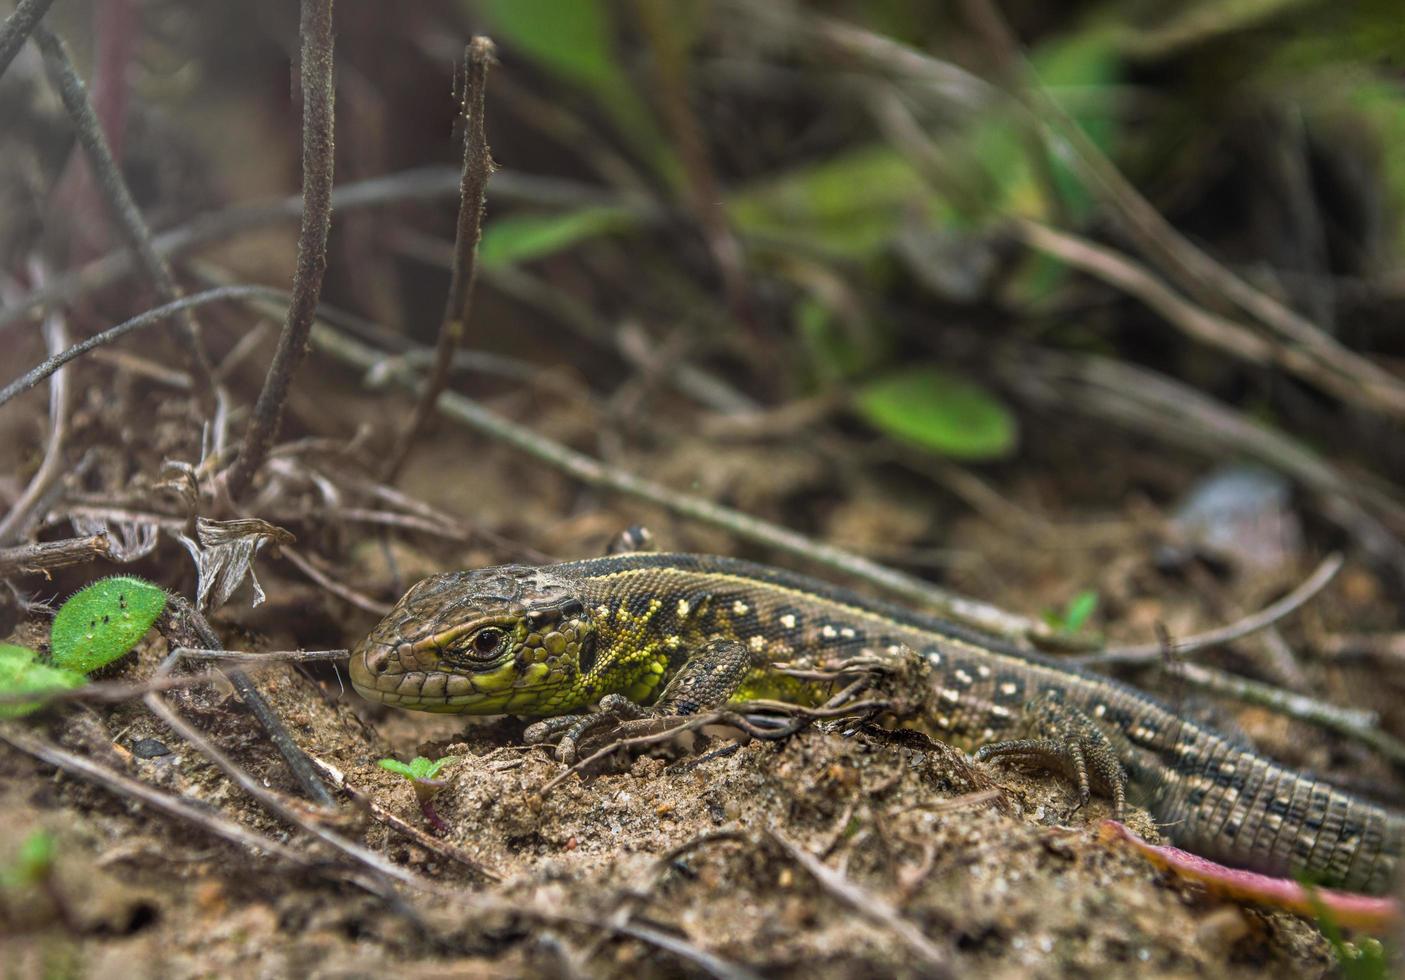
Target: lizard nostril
[375, 659]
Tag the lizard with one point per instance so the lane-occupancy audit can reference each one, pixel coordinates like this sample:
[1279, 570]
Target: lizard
[663, 635]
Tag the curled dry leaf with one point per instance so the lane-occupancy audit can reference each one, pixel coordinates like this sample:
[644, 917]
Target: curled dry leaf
[126, 542]
[225, 555]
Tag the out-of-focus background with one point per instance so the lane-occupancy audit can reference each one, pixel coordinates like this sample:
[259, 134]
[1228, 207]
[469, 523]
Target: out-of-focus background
[1092, 311]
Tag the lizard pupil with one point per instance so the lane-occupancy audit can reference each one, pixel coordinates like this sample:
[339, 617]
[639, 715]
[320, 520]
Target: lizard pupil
[487, 641]
[585, 661]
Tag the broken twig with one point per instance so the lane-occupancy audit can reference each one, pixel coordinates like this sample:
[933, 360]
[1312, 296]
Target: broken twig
[477, 168]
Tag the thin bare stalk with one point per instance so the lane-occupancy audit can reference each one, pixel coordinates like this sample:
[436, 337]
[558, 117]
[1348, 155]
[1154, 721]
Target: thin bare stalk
[1353, 723]
[130, 223]
[419, 184]
[477, 168]
[869, 905]
[157, 315]
[33, 501]
[589, 470]
[1264, 618]
[27, 559]
[317, 162]
[183, 622]
[17, 28]
[125, 786]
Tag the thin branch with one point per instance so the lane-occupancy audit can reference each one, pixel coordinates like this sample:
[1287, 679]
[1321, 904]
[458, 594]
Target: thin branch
[685, 950]
[419, 184]
[106, 692]
[160, 313]
[125, 786]
[318, 94]
[477, 168]
[1354, 723]
[1264, 618]
[273, 802]
[1207, 327]
[443, 848]
[262, 656]
[331, 585]
[869, 905]
[130, 223]
[34, 500]
[744, 526]
[183, 621]
[28, 559]
[17, 28]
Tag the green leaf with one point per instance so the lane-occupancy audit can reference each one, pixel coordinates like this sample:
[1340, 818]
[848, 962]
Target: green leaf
[848, 206]
[836, 347]
[1079, 608]
[417, 769]
[20, 673]
[1086, 62]
[939, 411]
[1381, 104]
[102, 622]
[570, 38]
[33, 863]
[524, 237]
[574, 40]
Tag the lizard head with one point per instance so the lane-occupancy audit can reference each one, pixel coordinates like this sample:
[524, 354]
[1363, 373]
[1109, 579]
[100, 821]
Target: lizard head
[500, 640]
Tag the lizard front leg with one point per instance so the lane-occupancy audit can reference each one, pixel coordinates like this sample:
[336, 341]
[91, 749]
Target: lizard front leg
[706, 681]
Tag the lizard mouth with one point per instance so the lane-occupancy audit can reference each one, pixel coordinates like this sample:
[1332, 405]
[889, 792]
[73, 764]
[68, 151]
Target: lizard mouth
[404, 676]
[367, 668]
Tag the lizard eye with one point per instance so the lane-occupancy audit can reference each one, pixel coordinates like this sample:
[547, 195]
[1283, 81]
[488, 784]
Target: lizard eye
[486, 642]
[572, 608]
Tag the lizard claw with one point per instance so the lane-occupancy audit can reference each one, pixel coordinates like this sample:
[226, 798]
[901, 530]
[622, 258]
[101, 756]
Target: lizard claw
[1071, 745]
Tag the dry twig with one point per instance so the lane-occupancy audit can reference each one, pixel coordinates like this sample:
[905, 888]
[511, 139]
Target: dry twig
[744, 526]
[121, 785]
[17, 28]
[318, 92]
[1264, 618]
[477, 168]
[182, 622]
[125, 213]
[869, 905]
[433, 844]
[28, 559]
[59, 358]
[32, 502]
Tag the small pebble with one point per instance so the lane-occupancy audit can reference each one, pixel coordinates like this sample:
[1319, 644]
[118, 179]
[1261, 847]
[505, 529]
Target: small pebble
[149, 748]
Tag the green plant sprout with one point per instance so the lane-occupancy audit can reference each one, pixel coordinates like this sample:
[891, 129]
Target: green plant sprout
[33, 864]
[1076, 614]
[104, 621]
[421, 773]
[22, 673]
[33, 868]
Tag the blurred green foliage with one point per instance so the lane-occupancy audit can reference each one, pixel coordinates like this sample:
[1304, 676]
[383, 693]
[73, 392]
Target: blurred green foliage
[22, 673]
[939, 411]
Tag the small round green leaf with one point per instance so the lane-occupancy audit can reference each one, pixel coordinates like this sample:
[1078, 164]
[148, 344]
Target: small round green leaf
[102, 622]
[20, 673]
[939, 411]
